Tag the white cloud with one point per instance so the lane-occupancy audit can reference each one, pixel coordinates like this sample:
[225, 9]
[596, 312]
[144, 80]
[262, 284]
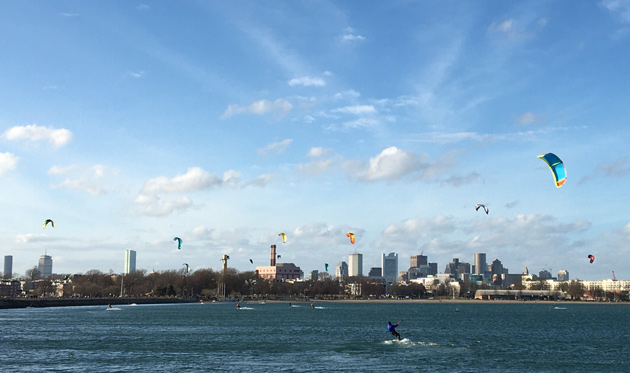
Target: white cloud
[356, 110]
[316, 167]
[134, 74]
[529, 118]
[392, 164]
[279, 107]
[316, 152]
[351, 93]
[35, 133]
[360, 123]
[157, 207]
[349, 35]
[262, 180]
[30, 237]
[150, 202]
[307, 81]
[91, 180]
[195, 179]
[276, 147]
[505, 26]
[8, 162]
[619, 7]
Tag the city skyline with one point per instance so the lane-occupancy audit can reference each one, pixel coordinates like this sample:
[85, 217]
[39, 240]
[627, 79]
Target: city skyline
[391, 120]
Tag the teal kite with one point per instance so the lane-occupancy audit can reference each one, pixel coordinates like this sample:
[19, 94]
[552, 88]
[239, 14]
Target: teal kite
[179, 242]
[326, 264]
[557, 168]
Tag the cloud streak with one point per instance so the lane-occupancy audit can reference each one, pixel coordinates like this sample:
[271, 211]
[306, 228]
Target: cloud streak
[35, 133]
[8, 162]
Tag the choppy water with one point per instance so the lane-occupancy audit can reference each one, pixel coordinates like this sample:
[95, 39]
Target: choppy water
[517, 337]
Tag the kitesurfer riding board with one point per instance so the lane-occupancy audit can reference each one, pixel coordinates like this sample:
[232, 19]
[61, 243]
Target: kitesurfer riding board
[392, 329]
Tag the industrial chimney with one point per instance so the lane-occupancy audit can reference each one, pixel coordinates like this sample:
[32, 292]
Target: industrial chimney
[273, 256]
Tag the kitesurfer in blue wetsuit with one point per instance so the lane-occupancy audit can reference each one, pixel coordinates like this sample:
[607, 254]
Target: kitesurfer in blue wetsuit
[392, 329]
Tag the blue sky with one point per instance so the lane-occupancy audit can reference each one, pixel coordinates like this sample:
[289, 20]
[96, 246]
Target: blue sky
[224, 123]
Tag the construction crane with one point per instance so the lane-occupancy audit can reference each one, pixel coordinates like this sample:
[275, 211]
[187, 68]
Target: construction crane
[614, 278]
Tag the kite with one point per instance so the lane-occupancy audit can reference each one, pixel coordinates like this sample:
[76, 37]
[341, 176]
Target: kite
[351, 235]
[251, 261]
[326, 265]
[225, 258]
[279, 256]
[557, 168]
[49, 221]
[186, 264]
[591, 257]
[484, 208]
[284, 237]
[179, 242]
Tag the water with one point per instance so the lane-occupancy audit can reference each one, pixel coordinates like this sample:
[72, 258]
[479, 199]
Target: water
[351, 337]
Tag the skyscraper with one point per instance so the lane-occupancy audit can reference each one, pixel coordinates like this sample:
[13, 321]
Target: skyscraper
[389, 263]
[355, 265]
[418, 260]
[563, 275]
[480, 264]
[8, 266]
[130, 261]
[45, 266]
[341, 272]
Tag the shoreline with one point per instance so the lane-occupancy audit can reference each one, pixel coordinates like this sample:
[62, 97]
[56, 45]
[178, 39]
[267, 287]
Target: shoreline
[12, 303]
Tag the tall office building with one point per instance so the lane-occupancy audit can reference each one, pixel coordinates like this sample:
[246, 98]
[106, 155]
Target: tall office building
[389, 264]
[130, 261]
[341, 272]
[563, 275]
[8, 267]
[480, 264]
[418, 260]
[45, 266]
[355, 265]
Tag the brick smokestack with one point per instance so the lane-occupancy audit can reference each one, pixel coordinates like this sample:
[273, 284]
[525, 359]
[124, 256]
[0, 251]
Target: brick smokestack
[273, 255]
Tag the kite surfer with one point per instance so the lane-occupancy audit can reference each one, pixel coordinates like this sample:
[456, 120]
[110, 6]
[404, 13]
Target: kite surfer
[392, 329]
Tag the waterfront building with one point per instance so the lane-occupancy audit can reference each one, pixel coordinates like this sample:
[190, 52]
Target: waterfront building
[563, 275]
[10, 288]
[355, 264]
[389, 264]
[313, 276]
[45, 266]
[480, 264]
[341, 272]
[280, 271]
[130, 261]
[8, 267]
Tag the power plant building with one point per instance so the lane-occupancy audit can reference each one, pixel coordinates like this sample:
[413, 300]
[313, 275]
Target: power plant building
[278, 271]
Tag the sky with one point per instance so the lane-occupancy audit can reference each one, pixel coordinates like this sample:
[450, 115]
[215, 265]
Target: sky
[224, 123]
